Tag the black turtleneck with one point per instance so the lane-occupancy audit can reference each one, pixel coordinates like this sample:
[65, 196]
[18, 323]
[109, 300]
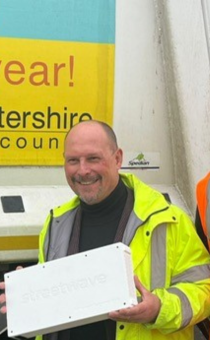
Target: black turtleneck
[100, 221]
[98, 228]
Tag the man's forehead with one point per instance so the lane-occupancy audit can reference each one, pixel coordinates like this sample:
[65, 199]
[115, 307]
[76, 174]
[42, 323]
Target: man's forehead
[87, 150]
[84, 137]
[84, 154]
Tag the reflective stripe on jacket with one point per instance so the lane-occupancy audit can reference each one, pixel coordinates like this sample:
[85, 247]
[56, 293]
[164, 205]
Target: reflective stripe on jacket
[203, 202]
[168, 257]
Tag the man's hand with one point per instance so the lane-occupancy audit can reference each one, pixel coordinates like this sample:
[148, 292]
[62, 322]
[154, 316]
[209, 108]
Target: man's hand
[2, 298]
[144, 312]
[3, 309]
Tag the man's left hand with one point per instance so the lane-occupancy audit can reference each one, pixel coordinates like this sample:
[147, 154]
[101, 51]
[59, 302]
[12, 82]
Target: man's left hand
[144, 312]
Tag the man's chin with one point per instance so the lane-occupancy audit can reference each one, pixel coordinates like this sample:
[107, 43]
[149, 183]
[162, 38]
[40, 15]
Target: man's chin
[88, 199]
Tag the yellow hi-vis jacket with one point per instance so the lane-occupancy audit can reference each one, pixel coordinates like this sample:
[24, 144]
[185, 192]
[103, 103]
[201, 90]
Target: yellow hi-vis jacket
[168, 257]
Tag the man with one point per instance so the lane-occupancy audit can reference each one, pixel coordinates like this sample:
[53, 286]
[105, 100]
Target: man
[171, 265]
[202, 220]
[202, 224]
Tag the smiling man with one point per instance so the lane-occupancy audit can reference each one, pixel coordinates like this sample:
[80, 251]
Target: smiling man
[92, 161]
[171, 265]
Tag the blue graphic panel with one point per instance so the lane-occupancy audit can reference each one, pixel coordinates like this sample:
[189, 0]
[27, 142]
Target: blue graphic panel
[67, 20]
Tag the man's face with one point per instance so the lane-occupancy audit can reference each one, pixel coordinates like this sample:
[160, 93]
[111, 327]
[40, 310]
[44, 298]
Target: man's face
[91, 164]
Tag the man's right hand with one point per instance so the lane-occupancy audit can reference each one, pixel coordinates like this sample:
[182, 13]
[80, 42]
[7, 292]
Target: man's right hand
[3, 309]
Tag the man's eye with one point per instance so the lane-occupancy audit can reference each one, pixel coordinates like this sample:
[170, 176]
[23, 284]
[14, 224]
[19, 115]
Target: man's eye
[93, 159]
[72, 161]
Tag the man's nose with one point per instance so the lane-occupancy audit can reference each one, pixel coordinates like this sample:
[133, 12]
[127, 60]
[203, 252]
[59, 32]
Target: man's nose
[84, 167]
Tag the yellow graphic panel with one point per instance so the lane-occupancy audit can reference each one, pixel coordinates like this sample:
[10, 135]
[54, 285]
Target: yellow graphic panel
[46, 87]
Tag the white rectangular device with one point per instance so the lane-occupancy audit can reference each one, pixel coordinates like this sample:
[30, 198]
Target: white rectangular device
[69, 292]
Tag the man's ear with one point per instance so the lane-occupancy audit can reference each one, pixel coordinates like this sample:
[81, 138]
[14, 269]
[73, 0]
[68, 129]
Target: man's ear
[119, 158]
